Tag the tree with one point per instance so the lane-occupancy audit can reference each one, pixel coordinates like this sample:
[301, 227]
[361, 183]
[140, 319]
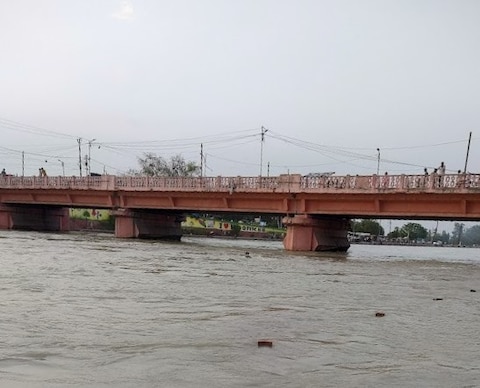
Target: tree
[445, 237]
[235, 229]
[471, 236]
[457, 233]
[367, 226]
[176, 166]
[396, 233]
[414, 231]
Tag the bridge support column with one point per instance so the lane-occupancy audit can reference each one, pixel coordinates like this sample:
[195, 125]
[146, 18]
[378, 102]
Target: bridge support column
[39, 218]
[6, 221]
[306, 233]
[147, 224]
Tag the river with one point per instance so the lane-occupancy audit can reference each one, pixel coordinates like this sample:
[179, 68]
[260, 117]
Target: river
[89, 310]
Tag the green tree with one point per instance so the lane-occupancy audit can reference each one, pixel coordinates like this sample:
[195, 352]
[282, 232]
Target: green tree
[367, 226]
[471, 236]
[235, 229]
[414, 231]
[457, 233]
[445, 237]
[176, 166]
[396, 233]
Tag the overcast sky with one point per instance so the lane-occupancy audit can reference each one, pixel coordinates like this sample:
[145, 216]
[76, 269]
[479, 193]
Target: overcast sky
[332, 81]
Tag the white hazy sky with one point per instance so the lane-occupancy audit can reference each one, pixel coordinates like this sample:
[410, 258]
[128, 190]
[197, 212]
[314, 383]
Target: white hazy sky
[331, 80]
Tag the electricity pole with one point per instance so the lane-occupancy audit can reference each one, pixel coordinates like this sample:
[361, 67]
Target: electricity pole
[378, 161]
[201, 160]
[468, 150]
[79, 141]
[89, 159]
[262, 139]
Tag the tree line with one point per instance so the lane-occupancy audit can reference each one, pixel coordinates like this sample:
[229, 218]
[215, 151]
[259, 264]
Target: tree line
[415, 232]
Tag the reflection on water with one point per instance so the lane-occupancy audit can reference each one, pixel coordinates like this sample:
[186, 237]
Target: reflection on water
[91, 310]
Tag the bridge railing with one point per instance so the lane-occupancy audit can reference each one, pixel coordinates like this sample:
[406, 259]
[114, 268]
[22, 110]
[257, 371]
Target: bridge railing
[33, 182]
[283, 183]
[197, 183]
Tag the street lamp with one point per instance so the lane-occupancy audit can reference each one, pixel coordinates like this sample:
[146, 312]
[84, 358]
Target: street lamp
[378, 161]
[63, 166]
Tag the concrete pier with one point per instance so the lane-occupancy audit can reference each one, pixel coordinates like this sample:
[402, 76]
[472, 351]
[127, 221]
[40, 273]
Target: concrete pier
[307, 233]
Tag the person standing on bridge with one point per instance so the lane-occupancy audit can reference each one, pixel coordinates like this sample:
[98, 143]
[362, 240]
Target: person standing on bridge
[42, 172]
[4, 173]
[441, 173]
[425, 177]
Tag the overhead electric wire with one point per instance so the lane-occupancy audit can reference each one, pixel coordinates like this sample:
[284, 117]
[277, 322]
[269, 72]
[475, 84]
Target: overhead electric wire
[159, 146]
[21, 127]
[226, 140]
[329, 151]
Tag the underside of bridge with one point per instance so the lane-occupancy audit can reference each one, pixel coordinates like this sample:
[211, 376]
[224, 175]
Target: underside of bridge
[304, 232]
[310, 233]
[147, 224]
[38, 218]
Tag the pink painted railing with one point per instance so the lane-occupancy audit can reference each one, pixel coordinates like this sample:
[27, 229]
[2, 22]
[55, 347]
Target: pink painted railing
[294, 183]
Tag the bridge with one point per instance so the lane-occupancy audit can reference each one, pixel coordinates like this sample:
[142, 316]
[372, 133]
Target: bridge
[316, 209]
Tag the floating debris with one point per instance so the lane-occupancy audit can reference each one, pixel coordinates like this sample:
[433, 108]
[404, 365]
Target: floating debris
[265, 344]
[379, 314]
[437, 298]
[473, 290]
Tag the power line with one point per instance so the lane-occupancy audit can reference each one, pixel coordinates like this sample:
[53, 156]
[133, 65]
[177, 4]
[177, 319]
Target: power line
[21, 127]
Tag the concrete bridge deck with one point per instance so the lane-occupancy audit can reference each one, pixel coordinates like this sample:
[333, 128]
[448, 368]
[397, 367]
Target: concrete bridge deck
[454, 196]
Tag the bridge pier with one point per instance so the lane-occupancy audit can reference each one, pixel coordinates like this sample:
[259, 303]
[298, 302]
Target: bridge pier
[147, 224]
[38, 218]
[306, 233]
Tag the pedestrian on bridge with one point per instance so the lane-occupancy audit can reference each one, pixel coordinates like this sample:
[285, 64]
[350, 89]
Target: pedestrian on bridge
[42, 172]
[441, 173]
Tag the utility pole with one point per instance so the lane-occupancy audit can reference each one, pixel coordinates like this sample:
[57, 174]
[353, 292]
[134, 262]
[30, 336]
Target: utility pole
[468, 150]
[460, 232]
[89, 158]
[262, 139]
[201, 160]
[79, 141]
[378, 161]
[23, 163]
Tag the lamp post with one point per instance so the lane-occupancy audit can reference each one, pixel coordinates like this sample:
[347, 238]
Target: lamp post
[63, 166]
[378, 161]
